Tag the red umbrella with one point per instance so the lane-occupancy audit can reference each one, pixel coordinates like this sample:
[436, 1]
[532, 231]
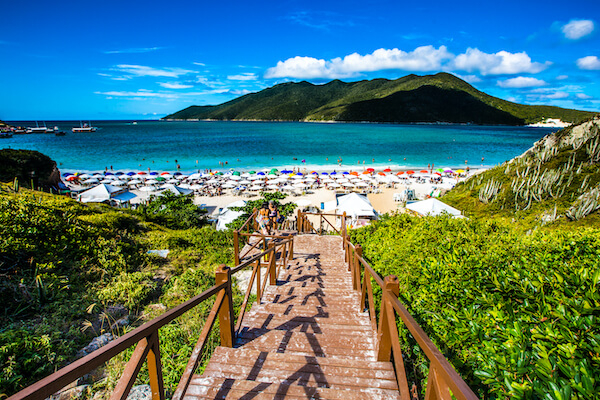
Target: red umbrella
[72, 178]
[387, 170]
[424, 171]
[141, 173]
[437, 173]
[366, 172]
[400, 173]
[165, 173]
[371, 169]
[410, 172]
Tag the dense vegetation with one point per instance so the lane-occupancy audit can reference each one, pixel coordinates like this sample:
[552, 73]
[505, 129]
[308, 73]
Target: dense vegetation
[29, 167]
[517, 315]
[69, 272]
[433, 98]
[556, 182]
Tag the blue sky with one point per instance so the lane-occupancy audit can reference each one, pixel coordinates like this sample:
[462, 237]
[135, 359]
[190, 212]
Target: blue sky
[142, 60]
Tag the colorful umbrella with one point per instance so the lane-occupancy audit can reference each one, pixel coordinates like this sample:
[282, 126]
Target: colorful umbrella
[387, 170]
[141, 173]
[400, 173]
[410, 172]
[165, 173]
[381, 173]
[371, 169]
[423, 171]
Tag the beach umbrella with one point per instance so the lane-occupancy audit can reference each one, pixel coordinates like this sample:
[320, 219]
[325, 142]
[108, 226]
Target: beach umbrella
[274, 170]
[235, 178]
[106, 181]
[108, 173]
[160, 179]
[460, 171]
[194, 176]
[288, 187]
[245, 182]
[371, 169]
[131, 173]
[361, 184]
[410, 172]
[252, 172]
[229, 185]
[314, 173]
[213, 181]
[272, 173]
[165, 173]
[153, 173]
[72, 178]
[381, 173]
[185, 186]
[134, 183]
[335, 185]
[236, 173]
[67, 174]
[117, 183]
[424, 171]
[147, 188]
[195, 187]
[447, 170]
[387, 170]
[219, 173]
[324, 173]
[177, 174]
[300, 185]
[272, 187]
[141, 173]
[345, 173]
[437, 173]
[440, 169]
[84, 176]
[354, 173]
[400, 173]
[261, 173]
[255, 188]
[119, 173]
[333, 173]
[366, 172]
[328, 180]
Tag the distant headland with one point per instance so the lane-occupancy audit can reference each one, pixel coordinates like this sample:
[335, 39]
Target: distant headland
[439, 98]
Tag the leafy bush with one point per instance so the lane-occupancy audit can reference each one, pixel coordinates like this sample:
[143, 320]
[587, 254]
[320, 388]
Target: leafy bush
[129, 289]
[175, 212]
[284, 210]
[517, 315]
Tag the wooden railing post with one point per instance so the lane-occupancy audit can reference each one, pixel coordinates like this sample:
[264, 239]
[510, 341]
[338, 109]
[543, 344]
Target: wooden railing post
[384, 339]
[272, 265]
[343, 230]
[226, 318]
[236, 247]
[358, 252]
[155, 368]
[291, 255]
[299, 221]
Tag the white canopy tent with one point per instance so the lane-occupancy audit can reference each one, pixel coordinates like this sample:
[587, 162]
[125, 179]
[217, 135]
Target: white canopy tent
[176, 190]
[106, 193]
[355, 205]
[433, 207]
[227, 215]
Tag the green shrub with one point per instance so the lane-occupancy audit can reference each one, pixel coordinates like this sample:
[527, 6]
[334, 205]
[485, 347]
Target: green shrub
[517, 315]
[129, 289]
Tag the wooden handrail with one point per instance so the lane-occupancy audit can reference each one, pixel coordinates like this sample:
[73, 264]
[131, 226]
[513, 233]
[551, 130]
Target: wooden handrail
[442, 378]
[146, 339]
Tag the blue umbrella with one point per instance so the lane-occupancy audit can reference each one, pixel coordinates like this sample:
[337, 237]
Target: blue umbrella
[315, 173]
[260, 173]
[177, 174]
[286, 171]
[299, 174]
[324, 173]
[67, 174]
[131, 173]
[108, 173]
[333, 173]
[119, 173]
[153, 173]
[346, 173]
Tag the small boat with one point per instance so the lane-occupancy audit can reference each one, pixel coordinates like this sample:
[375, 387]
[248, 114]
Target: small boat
[84, 128]
[37, 129]
[5, 135]
[60, 133]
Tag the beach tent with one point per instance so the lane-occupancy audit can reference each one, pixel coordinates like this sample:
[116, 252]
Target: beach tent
[227, 215]
[355, 206]
[177, 190]
[100, 193]
[433, 207]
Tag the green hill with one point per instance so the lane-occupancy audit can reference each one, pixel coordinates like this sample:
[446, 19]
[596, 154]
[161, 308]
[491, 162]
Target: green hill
[432, 98]
[556, 182]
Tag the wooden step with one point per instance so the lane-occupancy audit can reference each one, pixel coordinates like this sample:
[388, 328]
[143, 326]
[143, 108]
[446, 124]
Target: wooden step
[227, 388]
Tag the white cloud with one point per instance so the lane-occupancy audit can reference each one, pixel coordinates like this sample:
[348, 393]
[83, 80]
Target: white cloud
[174, 85]
[240, 92]
[583, 96]
[246, 76]
[521, 82]
[557, 95]
[562, 77]
[499, 63]
[425, 58]
[470, 78]
[578, 28]
[141, 70]
[199, 63]
[589, 62]
[139, 93]
[136, 50]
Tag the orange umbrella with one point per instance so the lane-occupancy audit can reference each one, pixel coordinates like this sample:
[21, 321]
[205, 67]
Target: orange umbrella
[381, 173]
[400, 173]
[410, 172]
[366, 172]
[354, 173]
[424, 171]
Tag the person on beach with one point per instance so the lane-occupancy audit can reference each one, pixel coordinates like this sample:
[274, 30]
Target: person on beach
[263, 218]
[273, 216]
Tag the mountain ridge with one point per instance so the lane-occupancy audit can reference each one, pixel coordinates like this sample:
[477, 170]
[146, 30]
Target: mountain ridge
[380, 100]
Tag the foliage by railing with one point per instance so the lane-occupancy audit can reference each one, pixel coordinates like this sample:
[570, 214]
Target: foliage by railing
[146, 337]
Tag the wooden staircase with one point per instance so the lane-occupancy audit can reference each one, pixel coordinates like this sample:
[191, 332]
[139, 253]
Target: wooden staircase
[304, 341]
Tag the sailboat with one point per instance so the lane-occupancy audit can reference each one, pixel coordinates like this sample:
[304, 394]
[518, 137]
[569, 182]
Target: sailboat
[37, 129]
[84, 128]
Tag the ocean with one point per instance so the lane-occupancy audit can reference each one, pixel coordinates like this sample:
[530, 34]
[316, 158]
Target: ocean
[162, 145]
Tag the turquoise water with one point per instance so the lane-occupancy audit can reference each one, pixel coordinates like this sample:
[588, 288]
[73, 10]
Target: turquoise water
[254, 145]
